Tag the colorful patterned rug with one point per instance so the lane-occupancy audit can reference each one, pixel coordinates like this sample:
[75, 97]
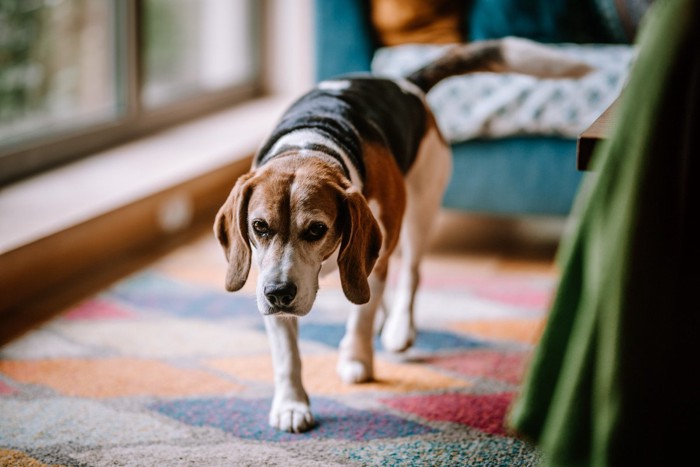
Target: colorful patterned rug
[165, 368]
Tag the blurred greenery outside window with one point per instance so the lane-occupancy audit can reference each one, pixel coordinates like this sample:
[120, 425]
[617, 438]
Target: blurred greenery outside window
[80, 75]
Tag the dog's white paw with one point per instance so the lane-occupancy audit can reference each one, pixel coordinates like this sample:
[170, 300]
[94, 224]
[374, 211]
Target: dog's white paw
[294, 417]
[354, 371]
[398, 333]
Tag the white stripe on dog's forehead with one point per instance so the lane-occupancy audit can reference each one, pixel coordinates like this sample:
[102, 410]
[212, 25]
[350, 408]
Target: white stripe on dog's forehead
[334, 85]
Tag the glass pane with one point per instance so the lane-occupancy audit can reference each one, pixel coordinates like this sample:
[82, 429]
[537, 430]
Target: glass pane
[196, 46]
[57, 66]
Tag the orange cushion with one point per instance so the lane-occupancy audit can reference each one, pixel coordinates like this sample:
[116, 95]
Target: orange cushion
[418, 21]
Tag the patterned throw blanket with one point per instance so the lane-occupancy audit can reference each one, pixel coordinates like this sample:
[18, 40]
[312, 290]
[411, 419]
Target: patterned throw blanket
[488, 105]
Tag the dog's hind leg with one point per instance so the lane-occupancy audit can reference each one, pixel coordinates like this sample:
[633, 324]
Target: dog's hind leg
[425, 186]
[290, 406]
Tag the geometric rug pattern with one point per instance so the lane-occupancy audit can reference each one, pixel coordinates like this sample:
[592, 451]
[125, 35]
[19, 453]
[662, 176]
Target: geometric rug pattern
[165, 368]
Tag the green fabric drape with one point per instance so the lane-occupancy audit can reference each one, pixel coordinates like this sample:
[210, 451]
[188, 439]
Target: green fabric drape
[613, 379]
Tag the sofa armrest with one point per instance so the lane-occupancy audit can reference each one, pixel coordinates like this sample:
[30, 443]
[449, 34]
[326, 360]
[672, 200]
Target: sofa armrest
[345, 40]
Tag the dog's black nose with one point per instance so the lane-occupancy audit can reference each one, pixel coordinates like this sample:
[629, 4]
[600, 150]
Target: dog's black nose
[280, 294]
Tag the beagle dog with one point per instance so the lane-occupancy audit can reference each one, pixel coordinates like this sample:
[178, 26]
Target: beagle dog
[354, 168]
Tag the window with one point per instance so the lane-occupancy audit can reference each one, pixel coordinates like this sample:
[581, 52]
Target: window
[80, 75]
[58, 67]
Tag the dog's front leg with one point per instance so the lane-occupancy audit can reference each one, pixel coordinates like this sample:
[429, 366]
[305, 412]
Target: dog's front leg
[290, 406]
[356, 357]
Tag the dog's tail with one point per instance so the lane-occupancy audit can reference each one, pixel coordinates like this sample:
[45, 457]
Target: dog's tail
[507, 55]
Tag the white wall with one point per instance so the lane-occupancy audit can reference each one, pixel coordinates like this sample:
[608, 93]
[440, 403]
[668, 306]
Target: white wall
[289, 58]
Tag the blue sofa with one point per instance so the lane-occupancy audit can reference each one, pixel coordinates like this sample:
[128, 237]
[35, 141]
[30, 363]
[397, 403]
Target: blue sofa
[533, 175]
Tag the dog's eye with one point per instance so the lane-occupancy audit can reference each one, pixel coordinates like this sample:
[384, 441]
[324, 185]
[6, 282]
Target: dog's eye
[316, 231]
[261, 228]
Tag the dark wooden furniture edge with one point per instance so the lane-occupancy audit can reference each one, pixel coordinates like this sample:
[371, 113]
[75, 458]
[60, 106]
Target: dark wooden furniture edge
[589, 138]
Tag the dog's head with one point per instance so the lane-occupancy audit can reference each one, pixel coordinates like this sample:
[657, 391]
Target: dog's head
[291, 215]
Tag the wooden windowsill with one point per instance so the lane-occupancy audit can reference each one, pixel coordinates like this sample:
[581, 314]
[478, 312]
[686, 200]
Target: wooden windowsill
[48, 203]
[78, 220]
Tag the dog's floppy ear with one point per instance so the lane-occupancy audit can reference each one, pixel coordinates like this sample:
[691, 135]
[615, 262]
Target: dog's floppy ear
[231, 229]
[359, 247]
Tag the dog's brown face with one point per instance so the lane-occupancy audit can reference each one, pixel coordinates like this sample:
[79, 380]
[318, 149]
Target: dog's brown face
[295, 212]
